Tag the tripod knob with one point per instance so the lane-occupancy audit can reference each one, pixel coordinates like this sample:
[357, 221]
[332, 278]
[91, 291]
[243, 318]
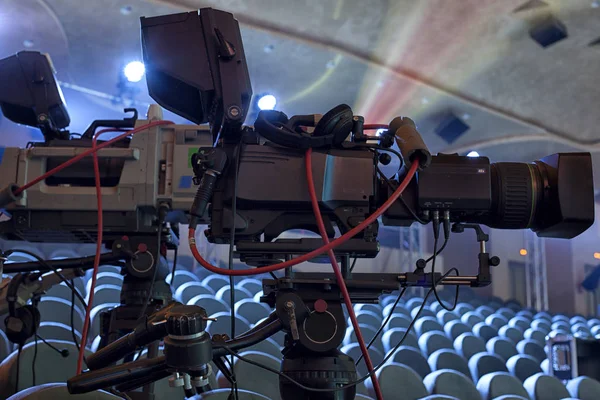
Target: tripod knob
[186, 320]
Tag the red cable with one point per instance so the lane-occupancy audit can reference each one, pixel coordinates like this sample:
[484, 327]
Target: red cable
[338, 273]
[375, 126]
[308, 256]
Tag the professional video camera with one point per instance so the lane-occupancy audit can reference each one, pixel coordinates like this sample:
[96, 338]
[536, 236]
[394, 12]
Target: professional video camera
[250, 189]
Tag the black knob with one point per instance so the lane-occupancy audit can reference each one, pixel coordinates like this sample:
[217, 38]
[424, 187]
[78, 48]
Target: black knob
[186, 320]
[385, 158]
[495, 261]
[421, 263]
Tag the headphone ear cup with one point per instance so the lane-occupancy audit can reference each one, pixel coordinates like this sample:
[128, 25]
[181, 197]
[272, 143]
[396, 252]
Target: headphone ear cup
[23, 325]
[336, 122]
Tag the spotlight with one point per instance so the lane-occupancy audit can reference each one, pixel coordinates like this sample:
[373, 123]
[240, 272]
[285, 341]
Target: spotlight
[134, 71]
[523, 252]
[473, 154]
[267, 102]
[597, 256]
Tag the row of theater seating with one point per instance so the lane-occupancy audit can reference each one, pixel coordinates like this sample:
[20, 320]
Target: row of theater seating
[499, 342]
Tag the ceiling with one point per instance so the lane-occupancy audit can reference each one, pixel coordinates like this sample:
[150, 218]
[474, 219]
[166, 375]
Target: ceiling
[423, 59]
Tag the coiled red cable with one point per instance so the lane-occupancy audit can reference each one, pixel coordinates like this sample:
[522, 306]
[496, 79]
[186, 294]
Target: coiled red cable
[338, 273]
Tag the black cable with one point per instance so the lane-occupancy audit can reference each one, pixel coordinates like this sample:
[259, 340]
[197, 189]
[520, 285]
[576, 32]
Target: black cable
[353, 264]
[18, 368]
[273, 275]
[34, 357]
[364, 378]
[49, 344]
[437, 253]
[46, 265]
[404, 203]
[437, 297]
[387, 319]
[75, 340]
[174, 267]
[237, 155]
[234, 383]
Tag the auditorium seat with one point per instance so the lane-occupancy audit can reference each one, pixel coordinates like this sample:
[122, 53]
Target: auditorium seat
[536, 335]
[215, 282]
[561, 325]
[54, 309]
[584, 388]
[505, 313]
[463, 308]
[182, 276]
[580, 327]
[485, 331]
[519, 322]
[368, 332]
[413, 359]
[448, 382]
[397, 378]
[432, 341]
[542, 324]
[523, 366]
[398, 321]
[502, 347]
[445, 316]
[468, 345]
[560, 317]
[496, 384]
[55, 331]
[251, 310]
[222, 325]
[526, 313]
[578, 319]
[105, 294]
[484, 363]
[496, 321]
[50, 366]
[62, 291]
[545, 387]
[224, 394]
[425, 312]
[6, 346]
[513, 334]
[186, 291]
[353, 350]
[268, 346]
[59, 391]
[593, 322]
[414, 302]
[256, 379]
[427, 324]
[448, 359]
[484, 311]
[543, 315]
[545, 366]
[392, 337]
[239, 294]
[454, 329]
[252, 285]
[374, 308]
[209, 303]
[471, 318]
[400, 309]
[595, 330]
[366, 317]
[531, 348]
[105, 278]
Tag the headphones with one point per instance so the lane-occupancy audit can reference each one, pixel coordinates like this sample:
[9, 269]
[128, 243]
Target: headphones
[23, 322]
[331, 130]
